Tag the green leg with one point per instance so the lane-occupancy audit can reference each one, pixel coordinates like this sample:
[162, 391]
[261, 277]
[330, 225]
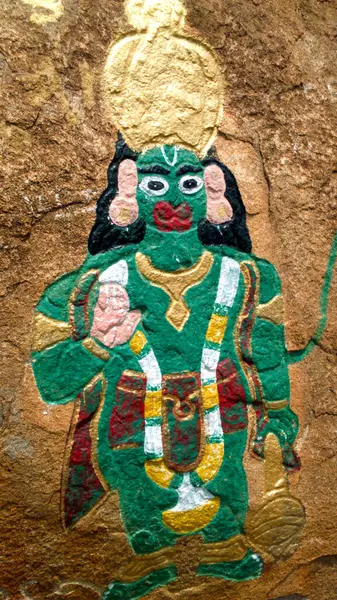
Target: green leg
[224, 527]
[231, 486]
[141, 503]
[141, 500]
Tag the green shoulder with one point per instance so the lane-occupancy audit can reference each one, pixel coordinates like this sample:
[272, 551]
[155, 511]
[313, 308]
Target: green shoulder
[270, 282]
[54, 300]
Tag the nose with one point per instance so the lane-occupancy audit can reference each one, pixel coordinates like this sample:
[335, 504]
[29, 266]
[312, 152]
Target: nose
[176, 197]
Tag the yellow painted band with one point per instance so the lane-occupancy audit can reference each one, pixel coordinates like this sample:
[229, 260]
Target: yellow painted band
[158, 472]
[211, 461]
[187, 521]
[216, 329]
[153, 401]
[229, 550]
[272, 311]
[143, 564]
[138, 342]
[210, 395]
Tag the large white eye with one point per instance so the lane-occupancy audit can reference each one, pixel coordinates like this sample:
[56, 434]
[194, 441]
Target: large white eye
[190, 184]
[154, 185]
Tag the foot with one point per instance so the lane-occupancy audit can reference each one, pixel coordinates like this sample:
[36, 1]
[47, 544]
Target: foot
[250, 567]
[140, 588]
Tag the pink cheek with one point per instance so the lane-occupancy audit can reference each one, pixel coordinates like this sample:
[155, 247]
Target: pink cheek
[219, 209]
[123, 211]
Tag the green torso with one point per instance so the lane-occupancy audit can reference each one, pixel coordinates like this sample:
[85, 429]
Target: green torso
[176, 351]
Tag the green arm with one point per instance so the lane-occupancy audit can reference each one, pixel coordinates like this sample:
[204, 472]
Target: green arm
[269, 356]
[62, 365]
[268, 339]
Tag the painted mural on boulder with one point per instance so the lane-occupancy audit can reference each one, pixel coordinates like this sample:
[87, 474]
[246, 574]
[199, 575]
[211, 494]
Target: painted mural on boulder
[171, 330]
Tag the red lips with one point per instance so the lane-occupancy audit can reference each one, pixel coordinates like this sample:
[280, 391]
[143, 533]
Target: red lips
[170, 218]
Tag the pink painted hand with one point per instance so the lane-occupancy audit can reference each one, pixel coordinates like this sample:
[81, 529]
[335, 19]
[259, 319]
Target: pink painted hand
[219, 209]
[113, 322]
[124, 208]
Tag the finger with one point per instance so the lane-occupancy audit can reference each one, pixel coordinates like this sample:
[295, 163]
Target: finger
[112, 306]
[219, 209]
[110, 337]
[117, 295]
[100, 324]
[102, 300]
[125, 330]
[118, 304]
[112, 296]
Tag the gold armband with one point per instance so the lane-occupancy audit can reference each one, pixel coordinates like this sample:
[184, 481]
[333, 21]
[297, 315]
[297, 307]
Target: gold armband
[48, 332]
[95, 349]
[276, 404]
[272, 310]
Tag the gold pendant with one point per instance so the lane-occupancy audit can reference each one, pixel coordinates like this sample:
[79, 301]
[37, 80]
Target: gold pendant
[175, 284]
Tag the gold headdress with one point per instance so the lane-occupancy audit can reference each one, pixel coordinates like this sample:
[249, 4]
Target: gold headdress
[160, 87]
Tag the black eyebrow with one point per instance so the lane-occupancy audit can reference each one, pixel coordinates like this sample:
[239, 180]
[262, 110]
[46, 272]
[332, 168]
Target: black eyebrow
[154, 169]
[188, 169]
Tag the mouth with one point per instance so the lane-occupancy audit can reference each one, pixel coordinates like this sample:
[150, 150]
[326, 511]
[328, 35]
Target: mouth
[169, 218]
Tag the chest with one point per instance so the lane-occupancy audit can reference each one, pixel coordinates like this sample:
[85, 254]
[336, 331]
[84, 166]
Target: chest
[176, 311]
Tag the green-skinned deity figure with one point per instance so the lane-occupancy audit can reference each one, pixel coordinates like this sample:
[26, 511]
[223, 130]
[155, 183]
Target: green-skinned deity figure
[171, 331]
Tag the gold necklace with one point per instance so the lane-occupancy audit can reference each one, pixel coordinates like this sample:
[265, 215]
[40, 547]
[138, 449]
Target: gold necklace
[175, 284]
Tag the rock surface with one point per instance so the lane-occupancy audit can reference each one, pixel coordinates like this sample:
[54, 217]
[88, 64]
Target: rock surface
[278, 136]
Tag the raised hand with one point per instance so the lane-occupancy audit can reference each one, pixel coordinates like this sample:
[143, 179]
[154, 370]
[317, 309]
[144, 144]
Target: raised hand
[124, 208]
[284, 425]
[114, 323]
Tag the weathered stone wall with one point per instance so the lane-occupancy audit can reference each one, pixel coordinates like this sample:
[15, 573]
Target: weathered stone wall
[278, 136]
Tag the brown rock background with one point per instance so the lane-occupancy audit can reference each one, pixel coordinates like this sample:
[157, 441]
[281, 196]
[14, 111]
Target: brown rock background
[279, 137]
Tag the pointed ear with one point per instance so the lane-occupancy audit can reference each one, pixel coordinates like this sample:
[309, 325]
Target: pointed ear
[219, 209]
[124, 208]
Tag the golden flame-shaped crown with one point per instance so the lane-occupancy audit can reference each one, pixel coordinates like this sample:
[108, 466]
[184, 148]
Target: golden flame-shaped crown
[160, 87]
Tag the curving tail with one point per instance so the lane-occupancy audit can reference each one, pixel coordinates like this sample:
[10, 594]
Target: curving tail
[295, 356]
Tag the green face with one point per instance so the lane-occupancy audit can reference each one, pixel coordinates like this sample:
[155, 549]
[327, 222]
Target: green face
[171, 193]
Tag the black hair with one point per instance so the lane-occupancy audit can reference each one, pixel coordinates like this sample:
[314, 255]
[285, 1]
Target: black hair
[105, 235]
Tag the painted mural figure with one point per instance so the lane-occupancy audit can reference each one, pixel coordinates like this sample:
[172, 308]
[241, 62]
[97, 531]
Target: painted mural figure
[171, 330]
